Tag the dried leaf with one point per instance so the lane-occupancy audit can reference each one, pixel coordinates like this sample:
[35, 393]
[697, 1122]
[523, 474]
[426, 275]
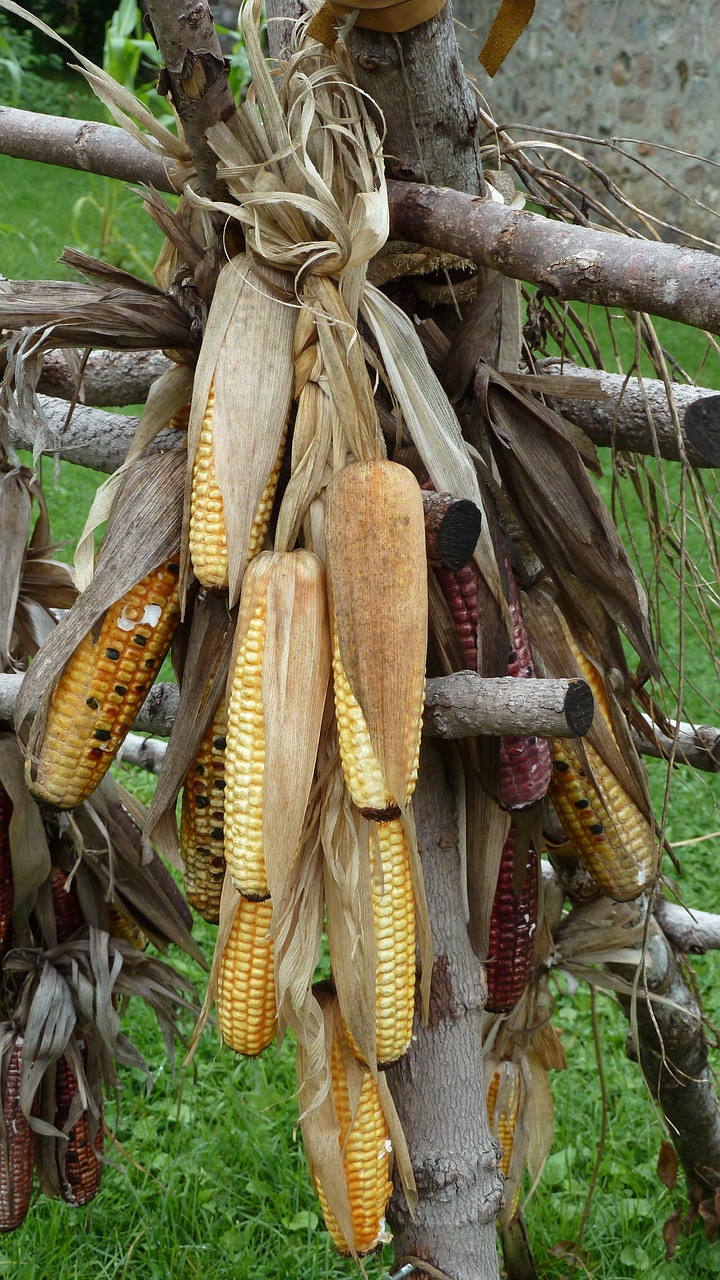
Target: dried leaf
[668, 1165]
[28, 842]
[671, 1235]
[15, 509]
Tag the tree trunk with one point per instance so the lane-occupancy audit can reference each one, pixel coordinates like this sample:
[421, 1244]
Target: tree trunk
[438, 1086]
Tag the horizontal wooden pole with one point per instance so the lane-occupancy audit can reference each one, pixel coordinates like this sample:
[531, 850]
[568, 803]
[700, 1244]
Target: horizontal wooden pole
[458, 706]
[573, 263]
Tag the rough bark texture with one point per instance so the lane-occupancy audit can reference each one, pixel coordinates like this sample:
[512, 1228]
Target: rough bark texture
[146, 753]
[430, 111]
[698, 746]
[466, 704]
[571, 263]
[690, 931]
[92, 438]
[438, 1086]
[673, 1054]
[196, 76]
[109, 377]
[80, 144]
[627, 413]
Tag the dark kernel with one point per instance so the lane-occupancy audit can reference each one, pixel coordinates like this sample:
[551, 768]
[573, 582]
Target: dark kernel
[92, 702]
[596, 829]
[200, 768]
[112, 654]
[140, 641]
[582, 804]
[216, 833]
[219, 744]
[150, 663]
[173, 568]
[95, 753]
[102, 735]
[562, 765]
[121, 690]
[219, 784]
[202, 802]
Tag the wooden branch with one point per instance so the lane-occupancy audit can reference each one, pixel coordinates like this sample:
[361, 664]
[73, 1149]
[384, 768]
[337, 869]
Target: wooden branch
[624, 409]
[452, 528]
[146, 753]
[697, 746]
[196, 75]
[81, 144]
[690, 931]
[92, 438]
[567, 262]
[459, 706]
[408, 76]
[571, 263]
[465, 705]
[109, 377]
[438, 1086]
[672, 1052]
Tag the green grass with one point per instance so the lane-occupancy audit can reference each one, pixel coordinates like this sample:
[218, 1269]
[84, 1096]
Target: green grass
[212, 1183]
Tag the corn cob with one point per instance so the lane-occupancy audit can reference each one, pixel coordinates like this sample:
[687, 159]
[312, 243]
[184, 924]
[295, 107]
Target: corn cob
[460, 589]
[363, 775]
[513, 923]
[246, 1007]
[78, 1158]
[17, 1152]
[202, 822]
[394, 920]
[122, 927]
[606, 830]
[69, 918]
[245, 757]
[208, 542]
[503, 1112]
[101, 690]
[375, 542]
[7, 892]
[365, 1144]
[524, 764]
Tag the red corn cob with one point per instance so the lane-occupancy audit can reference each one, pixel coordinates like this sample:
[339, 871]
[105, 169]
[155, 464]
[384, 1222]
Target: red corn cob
[68, 912]
[460, 589]
[79, 1165]
[512, 932]
[524, 764]
[17, 1153]
[6, 880]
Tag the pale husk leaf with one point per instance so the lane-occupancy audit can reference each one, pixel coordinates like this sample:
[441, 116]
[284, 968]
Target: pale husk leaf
[247, 349]
[377, 569]
[295, 674]
[429, 416]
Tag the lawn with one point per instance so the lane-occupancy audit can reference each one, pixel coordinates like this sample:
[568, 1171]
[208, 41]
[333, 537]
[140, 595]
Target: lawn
[207, 1178]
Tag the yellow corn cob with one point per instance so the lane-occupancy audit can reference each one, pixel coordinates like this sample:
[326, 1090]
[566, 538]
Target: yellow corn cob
[503, 1115]
[363, 775]
[365, 1143]
[246, 1010]
[208, 543]
[244, 763]
[121, 926]
[202, 822]
[607, 831]
[394, 919]
[101, 690]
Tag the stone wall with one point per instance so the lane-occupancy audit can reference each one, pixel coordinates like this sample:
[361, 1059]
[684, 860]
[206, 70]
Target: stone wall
[641, 69]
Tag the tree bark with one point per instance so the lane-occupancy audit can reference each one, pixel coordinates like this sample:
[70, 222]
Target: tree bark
[466, 704]
[672, 1052]
[438, 1086]
[108, 377]
[570, 263]
[91, 438]
[698, 746]
[690, 931]
[626, 413]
